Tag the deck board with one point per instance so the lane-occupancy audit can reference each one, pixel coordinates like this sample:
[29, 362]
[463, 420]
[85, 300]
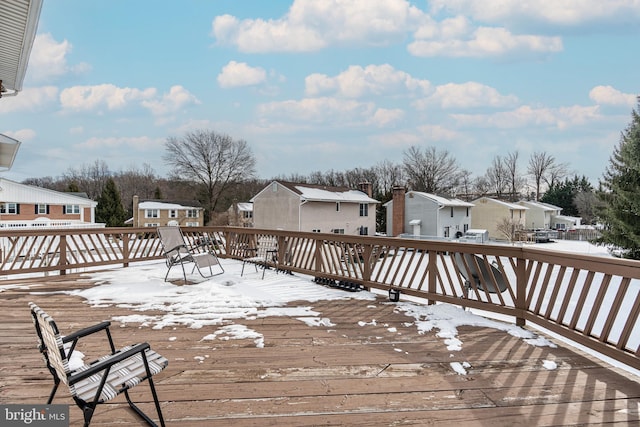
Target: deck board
[347, 374]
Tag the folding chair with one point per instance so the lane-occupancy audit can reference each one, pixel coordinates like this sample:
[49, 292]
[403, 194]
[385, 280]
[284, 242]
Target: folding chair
[177, 252]
[103, 379]
[265, 253]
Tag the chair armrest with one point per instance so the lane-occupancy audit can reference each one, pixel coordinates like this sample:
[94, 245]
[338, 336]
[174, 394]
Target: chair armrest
[176, 248]
[86, 331]
[108, 362]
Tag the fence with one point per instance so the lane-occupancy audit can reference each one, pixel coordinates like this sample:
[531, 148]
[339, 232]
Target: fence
[594, 301]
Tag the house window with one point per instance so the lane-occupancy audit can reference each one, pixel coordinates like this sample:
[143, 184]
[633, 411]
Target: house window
[152, 224]
[364, 231]
[337, 206]
[72, 209]
[451, 211]
[173, 213]
[315, 230]
[465, 227]
[191, 224]
[42, 209]
[364, 209]
[338, 230]
[274, 187]
[247, 214]
[192, 213]
[152, 213]
[467, 211]
[10, 208]
[446, 232]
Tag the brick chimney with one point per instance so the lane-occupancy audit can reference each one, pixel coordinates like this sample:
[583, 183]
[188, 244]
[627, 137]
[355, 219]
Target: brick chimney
[366, 188]
[397, 221]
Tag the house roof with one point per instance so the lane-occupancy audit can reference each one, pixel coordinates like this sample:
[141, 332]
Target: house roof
[8, 150]
[169, 204]
[18, 25]
[324, 193]
[540, 205]
[442, 201]
[245, 206]
[509, 205]
[14, 192]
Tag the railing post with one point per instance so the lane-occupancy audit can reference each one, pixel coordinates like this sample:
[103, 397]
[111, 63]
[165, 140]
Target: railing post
[521, 288]
[63, 254]
[432, 268]
[125, 249]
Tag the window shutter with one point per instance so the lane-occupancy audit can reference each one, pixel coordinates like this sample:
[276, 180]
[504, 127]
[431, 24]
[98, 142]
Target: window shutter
[35, 209]
[18, 208]
[47, 209]
[64, 209]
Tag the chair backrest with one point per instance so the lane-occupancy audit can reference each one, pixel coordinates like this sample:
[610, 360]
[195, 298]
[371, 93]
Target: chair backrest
[170, 238]
[50, 342]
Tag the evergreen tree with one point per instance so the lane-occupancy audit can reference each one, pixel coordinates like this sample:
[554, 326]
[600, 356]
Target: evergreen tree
[620, 192]
[110, 210]
[563, 194]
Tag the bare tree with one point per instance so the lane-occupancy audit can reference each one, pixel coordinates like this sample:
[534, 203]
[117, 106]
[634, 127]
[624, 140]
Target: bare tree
[89, 179]
[515, 181]
[389, 175]
[508, 228]
[136, 181]
[481, 186]
[431, 171]
[497, 176]
[543, 167]
[212, 159]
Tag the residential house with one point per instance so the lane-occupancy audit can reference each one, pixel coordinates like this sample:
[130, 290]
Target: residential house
[489, 214]
[156, 213]
[539, 215]
[240, 214]
[315, 208]
[28, 206]
[424, 214]
[548, 216]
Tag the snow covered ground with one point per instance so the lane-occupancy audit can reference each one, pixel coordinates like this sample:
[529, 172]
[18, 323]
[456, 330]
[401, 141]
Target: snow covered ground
[223, 302]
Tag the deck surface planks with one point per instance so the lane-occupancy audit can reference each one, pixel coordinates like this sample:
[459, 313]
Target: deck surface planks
[381, 373]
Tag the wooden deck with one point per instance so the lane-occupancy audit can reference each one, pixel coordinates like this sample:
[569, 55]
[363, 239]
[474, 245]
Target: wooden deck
[347, 374]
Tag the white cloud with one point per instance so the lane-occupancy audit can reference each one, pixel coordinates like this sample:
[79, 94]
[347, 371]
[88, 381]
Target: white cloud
[526, 116]
[311, 25]
[319, 110]
[611, 96]
[557, 12]
[466, 95]
[481, 42]
[21, 135]
[357, 81]
[30, 99]
[177, 98]
[136, 143]
[48, 58]
[386, 117]
[86, 98]
[236, 74]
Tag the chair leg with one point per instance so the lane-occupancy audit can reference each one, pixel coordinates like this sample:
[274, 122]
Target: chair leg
[88, 411]
[156, 402]
[53, 391]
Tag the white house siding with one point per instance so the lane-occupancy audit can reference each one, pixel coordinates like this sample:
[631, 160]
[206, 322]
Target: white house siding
[277, 210]
[296, 207]
[323, 217]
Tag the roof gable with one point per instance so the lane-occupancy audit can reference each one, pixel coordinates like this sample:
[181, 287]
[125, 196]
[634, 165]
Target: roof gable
[14, 192]
[322, 193]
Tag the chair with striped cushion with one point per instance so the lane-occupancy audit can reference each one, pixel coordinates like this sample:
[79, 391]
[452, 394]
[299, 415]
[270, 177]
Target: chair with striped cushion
[103, 379]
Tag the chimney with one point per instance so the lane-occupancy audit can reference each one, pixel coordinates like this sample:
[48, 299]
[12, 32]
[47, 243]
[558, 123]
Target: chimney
[366, 188]
[397, 221]
[136, 201]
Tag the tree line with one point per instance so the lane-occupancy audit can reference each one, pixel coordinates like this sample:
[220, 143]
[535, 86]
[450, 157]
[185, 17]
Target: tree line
[217, 170]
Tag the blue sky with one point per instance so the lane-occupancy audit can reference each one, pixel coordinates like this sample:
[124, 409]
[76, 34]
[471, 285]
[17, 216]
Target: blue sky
[333, 84]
